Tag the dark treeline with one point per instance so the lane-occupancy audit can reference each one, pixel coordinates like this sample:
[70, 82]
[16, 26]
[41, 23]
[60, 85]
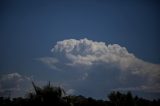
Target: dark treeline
[55, 96]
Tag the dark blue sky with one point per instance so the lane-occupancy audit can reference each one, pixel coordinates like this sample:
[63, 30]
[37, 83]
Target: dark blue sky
[30, 28]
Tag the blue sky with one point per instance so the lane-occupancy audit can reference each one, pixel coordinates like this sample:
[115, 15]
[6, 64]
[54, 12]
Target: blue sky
[29, 29]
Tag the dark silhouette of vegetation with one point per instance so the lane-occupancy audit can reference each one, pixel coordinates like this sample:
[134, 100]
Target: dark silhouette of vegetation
[55, 96]
[119, 99]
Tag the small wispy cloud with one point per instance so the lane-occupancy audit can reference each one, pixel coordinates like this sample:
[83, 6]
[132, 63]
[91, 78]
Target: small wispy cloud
[49, 61]
[70, 91]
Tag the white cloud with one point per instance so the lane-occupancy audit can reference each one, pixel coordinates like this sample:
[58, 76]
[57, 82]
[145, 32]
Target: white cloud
[13, 84]
[85, 55]
[87, 52]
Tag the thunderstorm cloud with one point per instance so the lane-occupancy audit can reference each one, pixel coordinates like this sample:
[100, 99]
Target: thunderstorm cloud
[106, 65]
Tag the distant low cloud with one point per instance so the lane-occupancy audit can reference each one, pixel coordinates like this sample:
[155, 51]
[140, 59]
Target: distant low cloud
[13, 84]
[152, 88]
[96, 59]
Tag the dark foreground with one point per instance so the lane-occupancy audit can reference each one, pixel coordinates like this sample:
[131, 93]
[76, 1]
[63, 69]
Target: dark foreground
[55, 96]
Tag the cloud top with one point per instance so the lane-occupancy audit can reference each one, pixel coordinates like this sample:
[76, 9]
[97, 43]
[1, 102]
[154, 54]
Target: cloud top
[87, 52]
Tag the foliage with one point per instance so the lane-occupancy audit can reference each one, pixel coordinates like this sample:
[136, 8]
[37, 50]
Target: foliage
[55, 96]
[119, 99]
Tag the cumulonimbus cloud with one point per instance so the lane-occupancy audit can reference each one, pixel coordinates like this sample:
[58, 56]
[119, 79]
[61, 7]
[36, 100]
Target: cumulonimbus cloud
[84, 53]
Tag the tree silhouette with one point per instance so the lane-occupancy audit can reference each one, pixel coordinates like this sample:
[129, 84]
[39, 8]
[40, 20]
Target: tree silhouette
[115, 98]
[119, 99]
[129, 100]
[55, 96]
[47, 95]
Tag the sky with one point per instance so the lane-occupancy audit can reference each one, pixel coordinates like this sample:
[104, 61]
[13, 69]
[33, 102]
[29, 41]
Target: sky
[89, 47]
